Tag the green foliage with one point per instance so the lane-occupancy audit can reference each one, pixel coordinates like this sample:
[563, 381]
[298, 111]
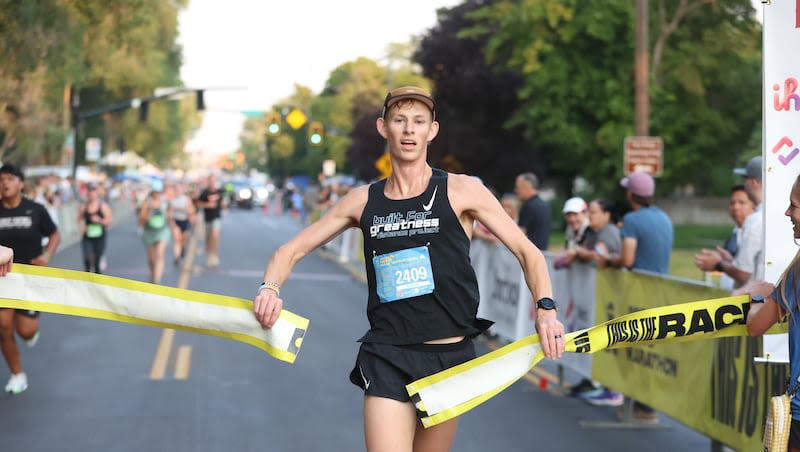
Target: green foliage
[109, 50]
[576, 58]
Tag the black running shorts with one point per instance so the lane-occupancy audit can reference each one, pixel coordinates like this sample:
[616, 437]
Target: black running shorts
[384, 370]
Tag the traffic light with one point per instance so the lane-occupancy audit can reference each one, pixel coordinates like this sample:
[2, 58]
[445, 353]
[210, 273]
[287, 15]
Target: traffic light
[316, 133]
[143, 109]
[273, 123]
[200, 100]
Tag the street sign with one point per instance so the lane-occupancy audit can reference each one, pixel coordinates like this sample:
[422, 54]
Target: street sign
[93, 146]
[643, 154]
[296, 118]
[384, 165]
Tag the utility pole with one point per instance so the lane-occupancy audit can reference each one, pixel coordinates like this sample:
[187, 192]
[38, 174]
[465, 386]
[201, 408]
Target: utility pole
[642, 96]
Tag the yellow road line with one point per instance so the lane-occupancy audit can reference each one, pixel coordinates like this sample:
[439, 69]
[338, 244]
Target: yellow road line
[161, 359]
[182, 362]
[159, 367]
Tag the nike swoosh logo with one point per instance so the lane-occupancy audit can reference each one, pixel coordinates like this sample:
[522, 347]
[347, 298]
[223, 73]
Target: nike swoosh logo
[428, 206]
[366, 382]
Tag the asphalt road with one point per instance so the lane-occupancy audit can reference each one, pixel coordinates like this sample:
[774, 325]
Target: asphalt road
[91, 387]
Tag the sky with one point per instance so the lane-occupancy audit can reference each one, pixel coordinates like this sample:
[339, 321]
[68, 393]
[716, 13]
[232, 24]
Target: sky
[260, 49]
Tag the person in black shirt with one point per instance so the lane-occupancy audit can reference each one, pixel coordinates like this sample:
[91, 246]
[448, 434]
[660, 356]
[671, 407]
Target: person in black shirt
[212, 201]
[23, 224]
[423, 293]
[535, 217]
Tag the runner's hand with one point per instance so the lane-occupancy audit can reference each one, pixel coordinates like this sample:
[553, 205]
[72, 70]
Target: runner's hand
[551, 333]
[6, 260]
[267, 307]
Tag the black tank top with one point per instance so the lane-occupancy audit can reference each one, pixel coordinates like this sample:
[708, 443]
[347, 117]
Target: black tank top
[94, 230]
[423, 222]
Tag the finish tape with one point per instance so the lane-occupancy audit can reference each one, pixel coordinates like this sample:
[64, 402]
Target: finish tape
[454, 391]
[106, 297]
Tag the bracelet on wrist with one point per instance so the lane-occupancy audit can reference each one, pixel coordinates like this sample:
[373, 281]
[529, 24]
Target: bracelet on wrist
[718, 267]
[270, 285]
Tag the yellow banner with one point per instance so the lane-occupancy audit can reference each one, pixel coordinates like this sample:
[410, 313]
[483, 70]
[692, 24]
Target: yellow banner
[714, 387]
[454, 391]
[106, 297]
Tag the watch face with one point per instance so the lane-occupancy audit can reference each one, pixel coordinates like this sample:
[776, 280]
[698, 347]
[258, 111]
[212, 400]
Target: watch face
[546, 303]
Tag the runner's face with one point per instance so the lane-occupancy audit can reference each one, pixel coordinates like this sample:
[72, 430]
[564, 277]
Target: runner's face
[408, 127]
[10, 186]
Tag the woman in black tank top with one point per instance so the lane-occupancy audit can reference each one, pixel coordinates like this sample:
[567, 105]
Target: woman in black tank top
[94, 217]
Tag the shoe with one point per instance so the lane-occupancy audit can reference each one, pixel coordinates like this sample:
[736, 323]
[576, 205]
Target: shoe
[606, 398]
[32, 341]
[17, 384]
[583, 387]
[212, 261]
[639, 416]
[591, 393]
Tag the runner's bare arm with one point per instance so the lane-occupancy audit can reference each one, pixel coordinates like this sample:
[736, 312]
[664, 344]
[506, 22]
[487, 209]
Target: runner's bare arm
[341, 216]
[107, 215]
[471, 200]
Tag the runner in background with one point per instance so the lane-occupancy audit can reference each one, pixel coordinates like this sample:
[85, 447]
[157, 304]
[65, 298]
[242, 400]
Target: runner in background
[154, 218]
[94, 217]
[23, 224]
[183, 217]
[212, 201]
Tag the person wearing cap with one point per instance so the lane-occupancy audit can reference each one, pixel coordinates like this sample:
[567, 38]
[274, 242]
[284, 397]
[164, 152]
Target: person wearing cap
[535, 217]
[577, 233]
[155, 217]
[23, 225]
[647, 236]
[422, 291]
[94, 217]
[747, 266]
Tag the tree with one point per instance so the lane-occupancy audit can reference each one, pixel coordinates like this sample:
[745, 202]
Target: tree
[475, 101]
[576, 61]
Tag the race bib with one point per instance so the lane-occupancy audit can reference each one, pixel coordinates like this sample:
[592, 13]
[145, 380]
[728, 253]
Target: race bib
[403, 274]
[94, 230]
[157, 221]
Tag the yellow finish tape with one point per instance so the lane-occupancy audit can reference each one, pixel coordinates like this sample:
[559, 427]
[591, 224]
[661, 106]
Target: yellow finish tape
[452, 392]
[106, 297]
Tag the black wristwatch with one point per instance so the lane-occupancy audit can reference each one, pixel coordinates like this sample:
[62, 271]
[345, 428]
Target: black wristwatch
[757, 299]
[546, 303]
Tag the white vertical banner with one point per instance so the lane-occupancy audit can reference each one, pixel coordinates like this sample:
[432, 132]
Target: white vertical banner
[781, 139]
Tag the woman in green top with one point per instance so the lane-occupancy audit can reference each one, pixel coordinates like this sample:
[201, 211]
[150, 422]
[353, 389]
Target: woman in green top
[154, 219]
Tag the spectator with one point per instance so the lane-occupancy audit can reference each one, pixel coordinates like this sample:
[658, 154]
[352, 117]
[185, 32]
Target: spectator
[740, 207]
[578, 232]
[770, 305]
[534, 214]
[647, 236]
[607, 241]
[748, 265]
